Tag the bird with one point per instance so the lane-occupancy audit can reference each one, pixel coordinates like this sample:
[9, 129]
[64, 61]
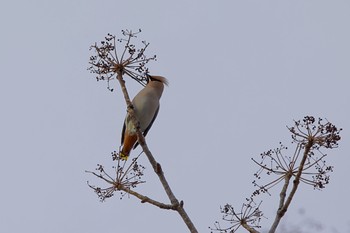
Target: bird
[146, 108]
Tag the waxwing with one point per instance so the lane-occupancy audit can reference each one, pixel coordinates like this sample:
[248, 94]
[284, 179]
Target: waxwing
[146, 107]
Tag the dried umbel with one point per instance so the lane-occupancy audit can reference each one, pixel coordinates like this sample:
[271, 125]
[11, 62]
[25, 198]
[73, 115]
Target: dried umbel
[306, 165]
[123, 180]
[310, 137]
[114, 55]
[316, 132]
[248, 216]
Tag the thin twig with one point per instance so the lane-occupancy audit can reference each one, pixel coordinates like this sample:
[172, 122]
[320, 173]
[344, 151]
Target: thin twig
[248, 228]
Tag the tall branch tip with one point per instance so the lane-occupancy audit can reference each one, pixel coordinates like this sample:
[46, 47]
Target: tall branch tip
[106, 61]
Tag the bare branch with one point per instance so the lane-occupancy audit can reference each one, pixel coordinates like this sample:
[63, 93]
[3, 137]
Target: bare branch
[304, 165]
[322, 135]
[145, 199]
[156, 166]
[132, 62]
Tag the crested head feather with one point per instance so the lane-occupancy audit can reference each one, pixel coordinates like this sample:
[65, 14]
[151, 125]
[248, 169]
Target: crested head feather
[159, 79]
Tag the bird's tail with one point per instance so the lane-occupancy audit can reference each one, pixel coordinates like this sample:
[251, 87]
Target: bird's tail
[128, 144]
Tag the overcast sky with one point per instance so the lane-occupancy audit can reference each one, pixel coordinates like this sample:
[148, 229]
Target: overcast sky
[239, 72]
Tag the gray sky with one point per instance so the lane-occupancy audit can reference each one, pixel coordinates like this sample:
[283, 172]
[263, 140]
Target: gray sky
[239, 72]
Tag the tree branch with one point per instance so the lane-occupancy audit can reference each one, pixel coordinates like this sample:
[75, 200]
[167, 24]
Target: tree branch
[178, 206]
[283, 206]
[145, 199]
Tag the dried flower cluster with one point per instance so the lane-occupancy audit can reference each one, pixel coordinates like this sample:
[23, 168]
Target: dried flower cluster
[132, 61]
[125, 177]
[320, 134]
[306, 164]
[249, 217]
[307, 134]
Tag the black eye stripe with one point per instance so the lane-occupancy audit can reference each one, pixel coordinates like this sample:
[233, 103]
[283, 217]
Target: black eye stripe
[153, 79]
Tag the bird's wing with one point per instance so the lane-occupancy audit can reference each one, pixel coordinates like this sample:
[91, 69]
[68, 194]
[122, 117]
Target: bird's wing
[123, 131]
[149, 126]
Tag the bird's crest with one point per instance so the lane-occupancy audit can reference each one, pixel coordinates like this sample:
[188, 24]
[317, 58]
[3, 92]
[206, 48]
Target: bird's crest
[159, 79]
